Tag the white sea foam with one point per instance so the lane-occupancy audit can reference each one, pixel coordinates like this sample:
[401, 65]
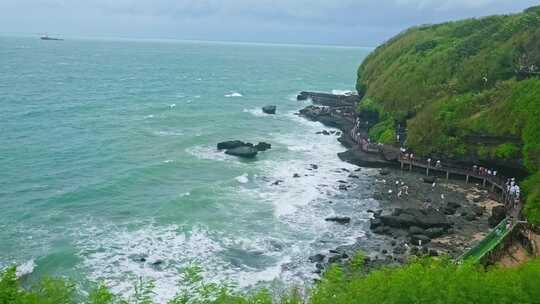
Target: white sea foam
[233, 94]
[172, 106]
[25, 269]
[168, 133]
[210, 153]
[257, 112]
[341, 92]
[242, 179]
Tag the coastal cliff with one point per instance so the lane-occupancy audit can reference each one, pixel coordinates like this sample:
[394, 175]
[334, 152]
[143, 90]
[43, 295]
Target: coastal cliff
[466, 91]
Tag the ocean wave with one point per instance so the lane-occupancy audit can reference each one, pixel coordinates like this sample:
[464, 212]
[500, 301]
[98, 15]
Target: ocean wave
[168, 133]
[242, 179]
[233, 94]
[118, 257]
[210, 153]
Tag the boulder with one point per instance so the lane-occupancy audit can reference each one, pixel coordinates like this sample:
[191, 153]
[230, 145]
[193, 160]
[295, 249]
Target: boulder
[325, 132]
[244, 151]
[384, 172]
[339, 219]
[374, 223]
[405, 218]
[416, 230]
[262, 146]
[302, 96]
[435, 232]
[231, 144]
[269, 109]
[342, 187]
[296, 175]
[316, 258]
[498, 213]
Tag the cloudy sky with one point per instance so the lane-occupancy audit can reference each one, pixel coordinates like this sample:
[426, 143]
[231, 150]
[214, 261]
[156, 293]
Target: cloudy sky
[344, 22]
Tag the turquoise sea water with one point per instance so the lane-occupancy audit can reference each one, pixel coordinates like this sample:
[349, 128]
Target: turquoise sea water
[109, 169]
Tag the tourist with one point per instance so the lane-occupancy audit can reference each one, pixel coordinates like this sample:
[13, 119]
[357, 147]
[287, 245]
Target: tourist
[429, 162]
[474, 168]
[438, 165]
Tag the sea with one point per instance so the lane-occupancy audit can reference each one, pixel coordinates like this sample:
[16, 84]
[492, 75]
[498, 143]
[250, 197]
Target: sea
[109, 170]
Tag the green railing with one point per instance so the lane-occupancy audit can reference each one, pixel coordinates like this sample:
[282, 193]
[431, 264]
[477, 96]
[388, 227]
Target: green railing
[490, 242]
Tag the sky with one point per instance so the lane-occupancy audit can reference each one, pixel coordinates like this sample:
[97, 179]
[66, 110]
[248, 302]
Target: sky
[336, 22]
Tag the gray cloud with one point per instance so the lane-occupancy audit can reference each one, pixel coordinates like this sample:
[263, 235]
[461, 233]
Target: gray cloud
[357, 22]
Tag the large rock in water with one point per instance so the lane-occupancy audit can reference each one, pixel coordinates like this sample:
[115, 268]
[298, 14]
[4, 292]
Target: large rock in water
[269, 109]
[339, 219]
[262, 146]
[405, 218]
[244, 151]
[231, 144]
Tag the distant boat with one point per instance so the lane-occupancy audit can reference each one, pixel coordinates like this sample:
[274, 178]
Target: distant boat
[46, 37]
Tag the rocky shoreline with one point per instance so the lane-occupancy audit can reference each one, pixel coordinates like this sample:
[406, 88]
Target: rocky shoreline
[417, 216]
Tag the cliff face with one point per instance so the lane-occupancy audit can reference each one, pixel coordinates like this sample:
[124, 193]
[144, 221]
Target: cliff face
[469, 90]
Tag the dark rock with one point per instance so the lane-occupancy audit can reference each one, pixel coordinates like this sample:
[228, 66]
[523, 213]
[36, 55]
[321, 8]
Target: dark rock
[429, 179]
[353, 176]
[470, 217]
[478, 210]
[245, 152]
[498, 213]
[343, 187]
[450, 208]
[453, 205]
[316, 258]
[393, 243]
[157, 262]
[319, 266]
[419, 239]
[416, 230]
[435, 232]
[405, 218]
[338, 219]
[342, 182]
[374, 223]
[302, 96]
[334, 259]
[269, 109]
[345, 170]
[433, 252]
[262, 146]
[296, 175]
[384, 172]
[314, 167]
[276, 183]
[138, 257]
[384, 251]
[325, 132]
[358, 170]
[338, 133]
[399, 250]
[231, 144]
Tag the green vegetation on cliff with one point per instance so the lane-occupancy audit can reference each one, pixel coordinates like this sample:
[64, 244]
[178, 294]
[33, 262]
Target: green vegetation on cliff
[422, 281]
[468, 89]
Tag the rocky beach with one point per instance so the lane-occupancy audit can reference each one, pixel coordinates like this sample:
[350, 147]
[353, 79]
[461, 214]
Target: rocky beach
[416, 215]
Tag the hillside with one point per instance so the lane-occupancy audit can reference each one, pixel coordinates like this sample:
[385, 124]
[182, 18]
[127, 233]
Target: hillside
[467, 90]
